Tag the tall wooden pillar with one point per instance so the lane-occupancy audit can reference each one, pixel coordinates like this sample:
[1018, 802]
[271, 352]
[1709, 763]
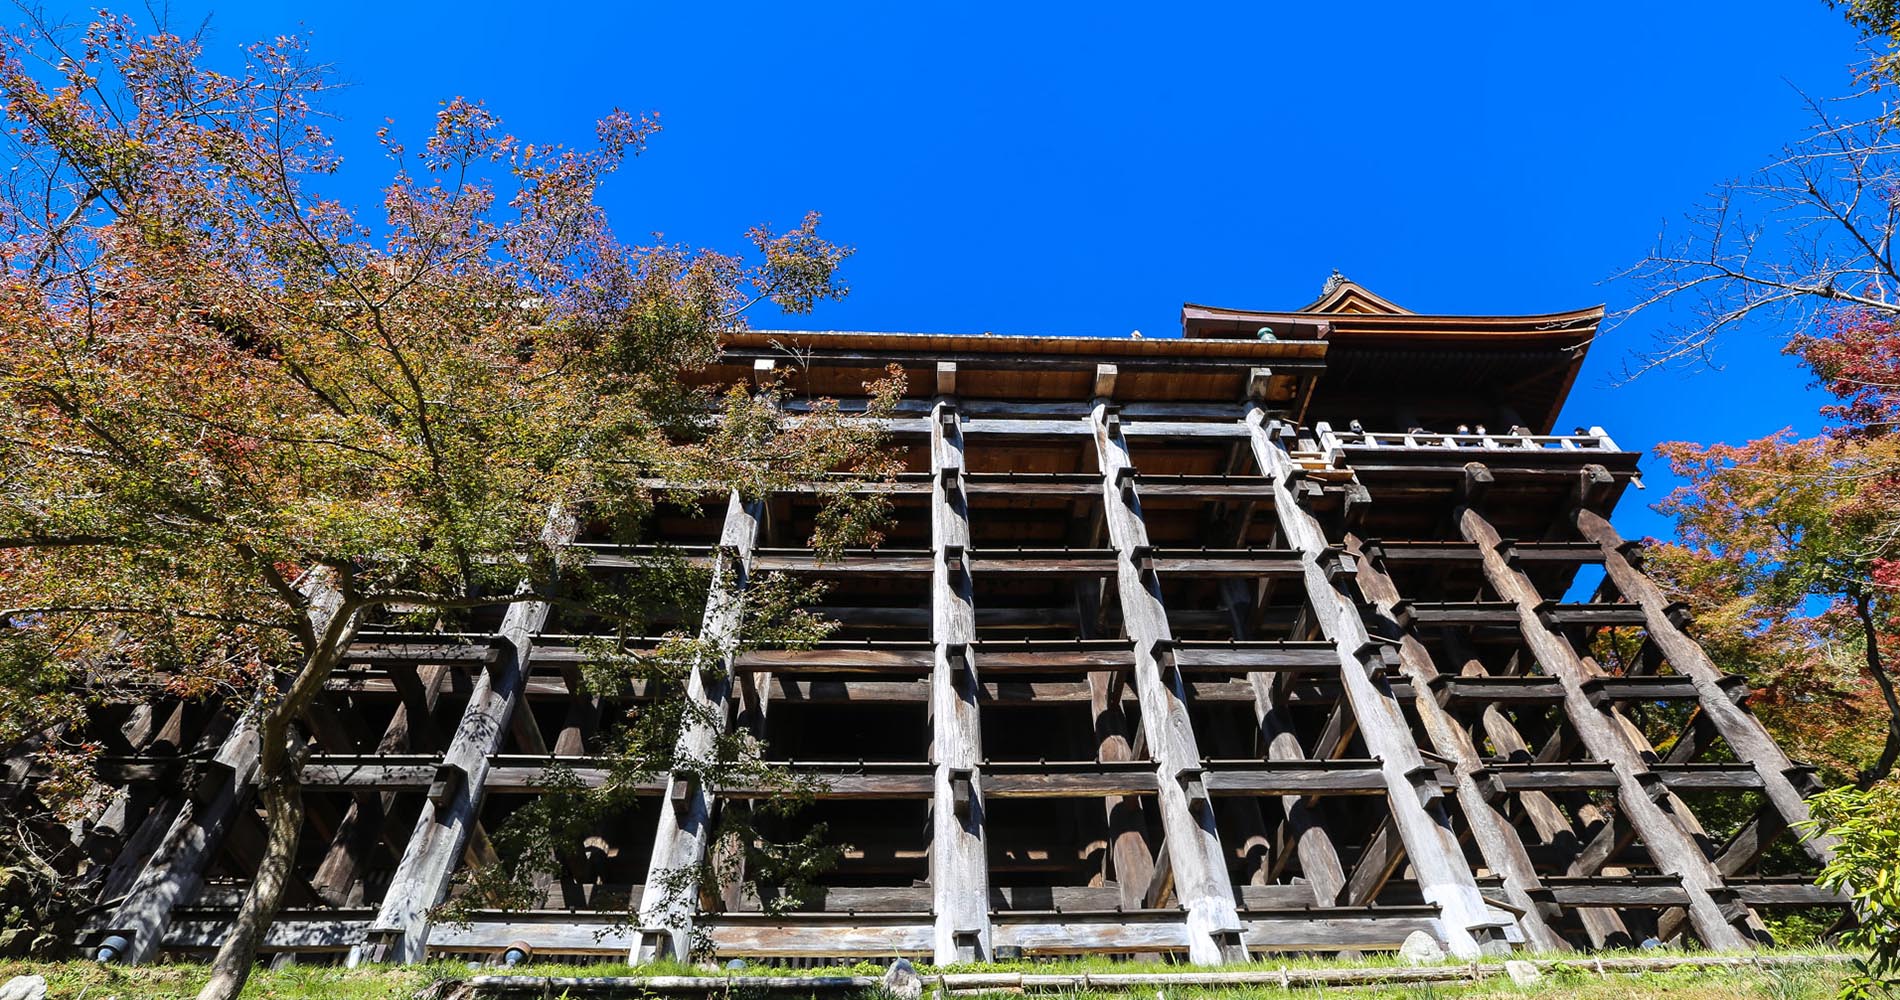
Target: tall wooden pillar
[1737, 725]
[1645, 801]
[671, 896]
[400, 932]
[1412, 792]
[1194, 856]
[1498, 842]
[1306, 828]
[174, 873]
[959, 862]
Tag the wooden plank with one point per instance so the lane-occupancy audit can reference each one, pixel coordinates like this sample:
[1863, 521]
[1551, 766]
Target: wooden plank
[1195, 858]
[400, 931]
[1669, 844]
[959, 870]
[668, 904]
[1416, 805]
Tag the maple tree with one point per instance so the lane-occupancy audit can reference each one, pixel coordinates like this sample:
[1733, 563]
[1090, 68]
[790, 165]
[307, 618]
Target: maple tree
[241, 421]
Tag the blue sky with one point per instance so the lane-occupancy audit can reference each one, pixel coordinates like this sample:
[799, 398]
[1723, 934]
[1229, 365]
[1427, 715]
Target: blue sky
[1030, 168]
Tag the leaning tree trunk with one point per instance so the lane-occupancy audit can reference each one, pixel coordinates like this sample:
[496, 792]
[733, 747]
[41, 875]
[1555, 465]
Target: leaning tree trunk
[280, 776]
[1890, 753]
[283, 822]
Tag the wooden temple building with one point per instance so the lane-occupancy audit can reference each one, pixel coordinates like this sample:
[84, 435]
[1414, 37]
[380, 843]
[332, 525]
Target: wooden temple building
[1300, 632]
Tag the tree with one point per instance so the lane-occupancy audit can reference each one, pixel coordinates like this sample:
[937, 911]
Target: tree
[1787, 546]
[1785, 553]
[1866, 866]
[242, 421]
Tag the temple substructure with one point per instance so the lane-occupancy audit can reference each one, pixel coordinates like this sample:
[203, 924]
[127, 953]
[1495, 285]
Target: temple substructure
[1300, 632]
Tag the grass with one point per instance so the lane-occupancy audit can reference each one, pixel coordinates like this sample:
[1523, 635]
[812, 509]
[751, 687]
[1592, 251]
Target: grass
[89, 981]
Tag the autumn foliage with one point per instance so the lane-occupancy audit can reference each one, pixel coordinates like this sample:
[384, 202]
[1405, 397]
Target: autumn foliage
[1789, 552]
[239, 419]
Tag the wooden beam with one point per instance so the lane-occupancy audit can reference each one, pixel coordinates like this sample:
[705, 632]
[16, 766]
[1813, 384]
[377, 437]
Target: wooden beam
[1655, 813]
[174, 873]
[1471, 926]
[400, 931]
[1714, 689]
[1105, 381]
[1195, 859]
[1306, 828]
[959, 870]
[667, 907]
[1498, 842]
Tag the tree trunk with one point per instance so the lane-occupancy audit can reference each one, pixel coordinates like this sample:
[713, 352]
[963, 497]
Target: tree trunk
[1889, 754]
[283, 823]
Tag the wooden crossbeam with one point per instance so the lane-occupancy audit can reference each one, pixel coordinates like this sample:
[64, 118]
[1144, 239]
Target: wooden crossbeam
[1416, 808]
[1657, 818]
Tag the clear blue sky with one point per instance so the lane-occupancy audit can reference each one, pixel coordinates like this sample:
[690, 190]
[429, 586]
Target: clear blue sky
[1019, 168]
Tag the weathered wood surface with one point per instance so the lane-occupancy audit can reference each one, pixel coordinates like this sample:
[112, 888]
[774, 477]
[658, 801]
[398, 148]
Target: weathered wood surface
[959, 863]
[668, 906]
[1498, 841]
[1196, 861]
[1659, 823]
[175, 871]
[400, 931]
[1739, 727]
[1417, 809]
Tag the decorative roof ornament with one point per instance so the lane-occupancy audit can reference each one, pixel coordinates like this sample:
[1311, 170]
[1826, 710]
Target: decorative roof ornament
[1332, 283]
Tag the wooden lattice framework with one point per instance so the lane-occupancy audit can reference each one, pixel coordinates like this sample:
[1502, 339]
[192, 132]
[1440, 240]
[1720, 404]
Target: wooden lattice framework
[1157, 659]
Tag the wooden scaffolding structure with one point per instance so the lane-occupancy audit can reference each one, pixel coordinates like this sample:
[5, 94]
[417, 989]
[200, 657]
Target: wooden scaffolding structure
[1166, 653]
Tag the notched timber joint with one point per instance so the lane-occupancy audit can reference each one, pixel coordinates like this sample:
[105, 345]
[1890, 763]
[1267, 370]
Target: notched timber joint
[962, 792]
[962, 674]
[951, 476]
[953, 559]
[1233, 947]
[1125, 477]
[1653, 786]
[1143, 559]
[681, 792]
[1489, 785]
[947, 416]
[1193, 781]
[1167, 662]
[449, 780]
[656, 943]
[1802, 777]
[1632, 552]
[969, 945]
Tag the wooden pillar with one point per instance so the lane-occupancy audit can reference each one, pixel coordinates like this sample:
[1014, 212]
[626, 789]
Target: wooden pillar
[1738, 726]
[1645, 801]
[174, 873]
[1319, 856]
[1603, 924]
[400, 931]
[1412, 793]
[959, 861]
[338, 878]
[1497, 839]
[1194, 859]
[671, 896]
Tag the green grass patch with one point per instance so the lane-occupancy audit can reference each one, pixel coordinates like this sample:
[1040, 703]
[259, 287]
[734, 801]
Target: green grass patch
[1575, 980]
